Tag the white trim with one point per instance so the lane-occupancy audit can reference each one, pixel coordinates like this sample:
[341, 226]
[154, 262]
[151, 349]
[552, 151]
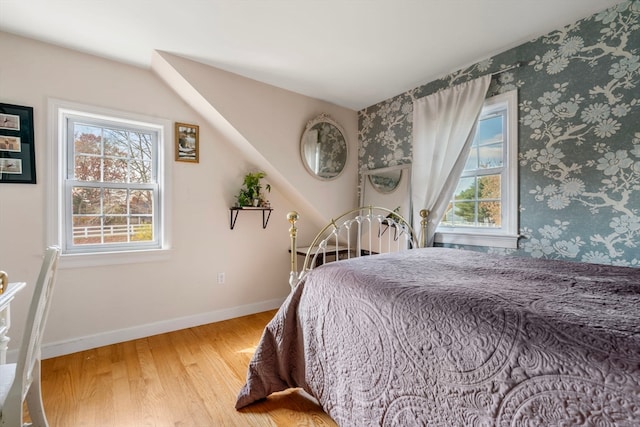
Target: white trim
[62, 348]
[55, 153]
[510, 187]
[474, 239]
[112, 258]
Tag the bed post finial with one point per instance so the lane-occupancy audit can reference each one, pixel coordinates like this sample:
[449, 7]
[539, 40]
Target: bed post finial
[292, 217]
[424, 213]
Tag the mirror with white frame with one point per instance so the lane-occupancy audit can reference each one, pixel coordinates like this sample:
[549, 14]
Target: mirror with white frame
[389, 188]
[323, 148]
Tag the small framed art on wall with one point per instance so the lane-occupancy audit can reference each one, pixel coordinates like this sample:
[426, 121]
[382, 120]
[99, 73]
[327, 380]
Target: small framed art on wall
[17, 153]
[187, 143]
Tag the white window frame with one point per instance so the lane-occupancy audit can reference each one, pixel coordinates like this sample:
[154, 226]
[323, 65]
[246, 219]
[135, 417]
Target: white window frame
[59, 217]
[507, 235]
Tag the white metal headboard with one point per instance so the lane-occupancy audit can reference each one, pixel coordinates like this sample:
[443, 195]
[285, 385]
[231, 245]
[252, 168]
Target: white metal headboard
[363, 231]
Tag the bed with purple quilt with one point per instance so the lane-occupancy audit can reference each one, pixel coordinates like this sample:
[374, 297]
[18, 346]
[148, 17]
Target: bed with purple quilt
[448, 337]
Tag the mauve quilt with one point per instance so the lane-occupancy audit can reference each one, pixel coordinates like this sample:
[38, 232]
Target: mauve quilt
[447, 337]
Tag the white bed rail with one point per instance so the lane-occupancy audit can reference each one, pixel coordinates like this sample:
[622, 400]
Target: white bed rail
[359, 232]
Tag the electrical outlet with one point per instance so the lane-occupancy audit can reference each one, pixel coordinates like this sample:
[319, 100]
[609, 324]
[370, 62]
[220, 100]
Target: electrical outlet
[220, 278]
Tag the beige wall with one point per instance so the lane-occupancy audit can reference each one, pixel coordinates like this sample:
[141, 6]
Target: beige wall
[97, 305]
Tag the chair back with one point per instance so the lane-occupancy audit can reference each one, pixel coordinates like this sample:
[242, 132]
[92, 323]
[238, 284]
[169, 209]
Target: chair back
[29, 353]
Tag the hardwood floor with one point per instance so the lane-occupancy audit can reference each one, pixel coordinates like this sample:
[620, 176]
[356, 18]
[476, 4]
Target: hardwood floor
[186, 378]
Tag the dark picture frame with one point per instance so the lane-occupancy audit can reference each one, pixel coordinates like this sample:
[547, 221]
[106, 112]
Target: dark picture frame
[17, 152]
[187, 142]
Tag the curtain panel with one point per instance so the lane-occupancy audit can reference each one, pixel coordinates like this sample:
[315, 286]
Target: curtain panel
[443, 130]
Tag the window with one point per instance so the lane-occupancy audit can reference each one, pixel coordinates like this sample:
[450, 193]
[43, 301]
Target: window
[111, 192]
[483, 209]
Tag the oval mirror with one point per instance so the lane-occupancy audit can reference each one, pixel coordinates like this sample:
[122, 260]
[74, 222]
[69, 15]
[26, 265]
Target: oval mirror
[324, 148]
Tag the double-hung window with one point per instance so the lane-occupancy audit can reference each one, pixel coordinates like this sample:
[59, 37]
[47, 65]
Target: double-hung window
[483, 210]
[111, 191]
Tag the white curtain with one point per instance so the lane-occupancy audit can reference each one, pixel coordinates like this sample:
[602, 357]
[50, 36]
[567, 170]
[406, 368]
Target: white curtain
[443, 130]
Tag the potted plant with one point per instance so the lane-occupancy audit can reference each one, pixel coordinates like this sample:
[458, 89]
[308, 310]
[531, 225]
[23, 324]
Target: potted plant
[251, 192]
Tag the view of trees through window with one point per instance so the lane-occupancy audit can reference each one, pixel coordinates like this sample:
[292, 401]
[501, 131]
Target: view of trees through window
[477, 198]
[112, 188]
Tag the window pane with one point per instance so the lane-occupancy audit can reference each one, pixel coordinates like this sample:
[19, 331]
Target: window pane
[489, 187]
[115, 201]
[141, 202]
[141, 146]
[490, 130]
[115, 170]
[87, 230]
[142, 229]
[87, 168]
[490, 156]
[115, 229]
[472, 160]
[447, 218]
[116, 143]
[87, 139]
[466, 189]
[465, 214]
[140, 172]
[489, 214]
[86, 200]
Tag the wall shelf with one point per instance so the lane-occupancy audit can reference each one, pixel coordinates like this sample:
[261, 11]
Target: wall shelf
[233, 214]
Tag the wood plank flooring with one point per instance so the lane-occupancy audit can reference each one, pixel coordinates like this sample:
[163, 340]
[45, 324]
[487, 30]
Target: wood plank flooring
[185, 378]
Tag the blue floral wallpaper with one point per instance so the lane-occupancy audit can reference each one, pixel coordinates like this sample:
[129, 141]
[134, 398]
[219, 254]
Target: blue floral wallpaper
[579, 136]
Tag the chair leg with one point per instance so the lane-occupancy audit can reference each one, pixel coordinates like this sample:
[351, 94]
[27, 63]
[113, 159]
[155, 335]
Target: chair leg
[34, 399]
[11, 414]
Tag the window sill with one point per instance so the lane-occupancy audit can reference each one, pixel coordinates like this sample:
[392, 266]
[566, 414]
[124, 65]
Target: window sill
[476, 239]
[112, 258]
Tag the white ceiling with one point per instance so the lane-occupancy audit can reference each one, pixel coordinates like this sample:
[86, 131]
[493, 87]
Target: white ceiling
[353, 53]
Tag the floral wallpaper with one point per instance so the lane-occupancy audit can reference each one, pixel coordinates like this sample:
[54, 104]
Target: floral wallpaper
[579, 136]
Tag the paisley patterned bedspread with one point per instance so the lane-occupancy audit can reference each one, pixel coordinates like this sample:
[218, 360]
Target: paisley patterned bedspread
[447, 337]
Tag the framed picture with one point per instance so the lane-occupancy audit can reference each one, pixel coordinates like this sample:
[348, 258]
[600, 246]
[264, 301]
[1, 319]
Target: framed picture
[187, 142]
[17, 153]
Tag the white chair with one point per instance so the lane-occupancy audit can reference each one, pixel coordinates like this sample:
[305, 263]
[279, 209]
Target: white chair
[21, 381]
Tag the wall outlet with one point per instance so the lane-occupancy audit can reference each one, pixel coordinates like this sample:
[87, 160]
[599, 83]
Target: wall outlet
[220, 278]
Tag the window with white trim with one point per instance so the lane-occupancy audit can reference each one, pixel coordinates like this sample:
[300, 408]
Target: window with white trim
[111, 193]
[483, 210]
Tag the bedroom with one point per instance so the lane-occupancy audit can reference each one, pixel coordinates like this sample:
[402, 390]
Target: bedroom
[92, 307]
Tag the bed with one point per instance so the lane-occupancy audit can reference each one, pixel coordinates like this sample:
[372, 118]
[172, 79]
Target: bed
[447, 337]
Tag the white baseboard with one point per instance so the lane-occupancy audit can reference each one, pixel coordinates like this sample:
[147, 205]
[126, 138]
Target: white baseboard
[62, 348]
